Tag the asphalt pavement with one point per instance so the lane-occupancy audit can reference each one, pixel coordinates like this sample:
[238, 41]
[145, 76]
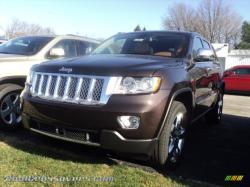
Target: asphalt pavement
[211, 153]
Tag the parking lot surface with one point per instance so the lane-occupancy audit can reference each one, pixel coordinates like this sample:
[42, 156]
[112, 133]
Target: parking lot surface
[211, 153]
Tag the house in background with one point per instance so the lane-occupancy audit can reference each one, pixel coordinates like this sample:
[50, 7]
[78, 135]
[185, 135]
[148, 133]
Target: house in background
[229, 58]
[238, 57]
[221, 50]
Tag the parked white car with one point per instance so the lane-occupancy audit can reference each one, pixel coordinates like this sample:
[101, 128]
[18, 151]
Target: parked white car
[2, 41]
[16, 58]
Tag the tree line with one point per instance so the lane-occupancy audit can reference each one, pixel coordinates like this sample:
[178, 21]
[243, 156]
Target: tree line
[21, 28]
[215, 20]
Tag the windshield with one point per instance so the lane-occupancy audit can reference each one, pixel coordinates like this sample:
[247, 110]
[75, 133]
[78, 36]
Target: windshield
[174, 45]
[24, 45]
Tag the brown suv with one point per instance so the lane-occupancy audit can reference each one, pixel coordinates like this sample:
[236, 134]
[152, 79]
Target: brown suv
[136, 93]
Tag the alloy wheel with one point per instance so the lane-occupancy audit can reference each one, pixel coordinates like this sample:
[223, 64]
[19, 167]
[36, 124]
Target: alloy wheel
[176, 141]
[10, 109]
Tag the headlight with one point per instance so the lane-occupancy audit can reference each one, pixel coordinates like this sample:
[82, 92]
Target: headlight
[134, 85]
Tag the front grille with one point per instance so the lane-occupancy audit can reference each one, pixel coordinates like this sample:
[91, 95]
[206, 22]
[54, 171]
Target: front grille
[69, 133]
[69, 88]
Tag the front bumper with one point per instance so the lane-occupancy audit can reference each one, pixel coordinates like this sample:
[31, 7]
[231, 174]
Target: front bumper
[73, 122]
[107, 139]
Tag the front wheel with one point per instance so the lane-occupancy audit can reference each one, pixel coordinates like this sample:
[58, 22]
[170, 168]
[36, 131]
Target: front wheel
[10, 111]
[170, 146]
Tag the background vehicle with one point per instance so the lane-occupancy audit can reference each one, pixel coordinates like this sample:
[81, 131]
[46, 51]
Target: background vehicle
[237, 79]
[136, 93]
[16, 58]
[2, 41]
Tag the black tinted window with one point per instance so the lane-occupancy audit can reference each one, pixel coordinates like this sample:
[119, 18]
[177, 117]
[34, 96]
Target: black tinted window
[25, 45]
[82, 46]
[160, 44]
[242, 71]
[197, 44]
[69, 47]
[205, 44]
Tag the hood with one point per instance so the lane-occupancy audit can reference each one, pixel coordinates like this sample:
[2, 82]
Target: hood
[108, 65]
[12, 57]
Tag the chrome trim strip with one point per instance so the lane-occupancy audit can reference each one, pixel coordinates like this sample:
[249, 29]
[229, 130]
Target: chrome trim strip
[33, 83]
[40, 85]
[58, 79]
[64, 138]
[91, 88]
[48, 85]
[66, 91]
[78, 88]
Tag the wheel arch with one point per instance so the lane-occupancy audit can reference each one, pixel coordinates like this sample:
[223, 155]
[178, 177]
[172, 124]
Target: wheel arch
[7, 88]
[184, 95]
[16, 80]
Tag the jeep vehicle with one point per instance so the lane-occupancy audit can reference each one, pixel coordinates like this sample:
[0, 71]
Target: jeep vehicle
[16, 58]
[136, 94]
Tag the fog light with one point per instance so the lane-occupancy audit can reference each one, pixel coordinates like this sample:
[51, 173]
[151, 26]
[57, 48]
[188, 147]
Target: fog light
[129, 122]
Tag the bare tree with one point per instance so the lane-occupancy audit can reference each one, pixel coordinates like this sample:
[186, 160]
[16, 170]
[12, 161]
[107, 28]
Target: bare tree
[180, 17]
[213, 19]
[20, 28]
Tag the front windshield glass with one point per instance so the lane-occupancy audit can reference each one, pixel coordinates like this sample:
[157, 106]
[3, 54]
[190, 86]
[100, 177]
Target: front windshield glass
[173, 45]
[24, 45]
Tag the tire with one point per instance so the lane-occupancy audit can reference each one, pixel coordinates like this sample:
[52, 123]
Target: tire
[170, 146]
[10, 111]
[214, 115]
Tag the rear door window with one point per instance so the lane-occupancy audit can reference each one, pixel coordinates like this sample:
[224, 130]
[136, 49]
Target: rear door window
[242, 71]
[82, 47]
[197, 45]
[205, 44]
[69, 46]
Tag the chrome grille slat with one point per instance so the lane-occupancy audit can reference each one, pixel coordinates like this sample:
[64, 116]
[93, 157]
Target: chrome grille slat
[57, 86]
[81, 89]
[40, 85]
[78, 89]
[48, 85]
[66, 91]
[91, 88]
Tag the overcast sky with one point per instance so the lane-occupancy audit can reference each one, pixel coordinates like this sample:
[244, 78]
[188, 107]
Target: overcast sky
[97, 18]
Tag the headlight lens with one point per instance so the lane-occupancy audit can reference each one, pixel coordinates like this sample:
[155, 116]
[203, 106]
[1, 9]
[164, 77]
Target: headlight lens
[134, 85]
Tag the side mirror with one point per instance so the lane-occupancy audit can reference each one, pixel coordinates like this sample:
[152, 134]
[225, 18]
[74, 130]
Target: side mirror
[228, 73]
[204, 55]
[56, 53]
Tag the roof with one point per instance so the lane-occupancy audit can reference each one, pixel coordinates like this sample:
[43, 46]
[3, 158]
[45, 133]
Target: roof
[239, 52]
[67, 37]
[239, 66]
[161, 31]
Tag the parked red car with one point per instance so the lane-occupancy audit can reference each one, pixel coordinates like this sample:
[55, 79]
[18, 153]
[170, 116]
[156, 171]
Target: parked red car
[237, 78]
